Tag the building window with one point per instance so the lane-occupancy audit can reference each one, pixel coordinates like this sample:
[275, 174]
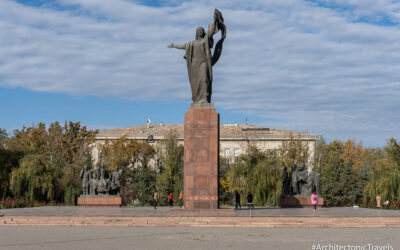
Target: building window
[236, 152]
[227, 152]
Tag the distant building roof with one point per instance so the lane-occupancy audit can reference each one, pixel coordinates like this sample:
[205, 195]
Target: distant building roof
[227, 131]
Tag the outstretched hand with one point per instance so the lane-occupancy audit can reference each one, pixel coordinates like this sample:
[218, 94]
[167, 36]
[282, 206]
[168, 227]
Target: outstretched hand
[171, 45]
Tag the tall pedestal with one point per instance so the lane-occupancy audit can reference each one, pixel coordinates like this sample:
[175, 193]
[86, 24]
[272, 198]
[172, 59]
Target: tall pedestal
[201, 155]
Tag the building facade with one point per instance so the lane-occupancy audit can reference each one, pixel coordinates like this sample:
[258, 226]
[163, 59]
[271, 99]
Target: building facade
[235, 139]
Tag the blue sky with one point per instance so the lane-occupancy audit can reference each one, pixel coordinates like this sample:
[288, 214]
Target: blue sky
[330, 67]
[95, 112]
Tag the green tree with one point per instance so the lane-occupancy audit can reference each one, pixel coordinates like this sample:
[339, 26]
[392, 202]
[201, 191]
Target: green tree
[54, 156]
[138, 179]
[170, 179]
[8, 161]
[143, 176]
[224, 191]
[384, 177]
[258, 173]
[33, 180]
[294, 151]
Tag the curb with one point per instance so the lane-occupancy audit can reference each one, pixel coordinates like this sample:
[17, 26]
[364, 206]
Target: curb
[147, 221]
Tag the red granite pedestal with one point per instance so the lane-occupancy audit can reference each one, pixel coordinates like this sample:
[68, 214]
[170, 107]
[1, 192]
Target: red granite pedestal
[201, 135]
[298, 202]
[114, 201]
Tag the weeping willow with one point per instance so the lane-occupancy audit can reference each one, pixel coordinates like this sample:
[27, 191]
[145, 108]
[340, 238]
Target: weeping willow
[255, 172]
[33, 180]
[384, 173]
[385, 183]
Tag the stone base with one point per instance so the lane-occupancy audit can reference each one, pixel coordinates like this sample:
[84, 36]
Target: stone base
[99, 201]
[201, 142]
[298, 202]
[205, 211]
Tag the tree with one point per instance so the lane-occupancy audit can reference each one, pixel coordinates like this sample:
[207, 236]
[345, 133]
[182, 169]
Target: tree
[3, 138]
[353, 152]
[294, 151]
[143, 176]
[33, 180]
[255, 172]
[393, 150]
[331, 190]
[224, 189]
[137, 180]
[170, 179]
[386, 174]
[8, 161]
[56, 154]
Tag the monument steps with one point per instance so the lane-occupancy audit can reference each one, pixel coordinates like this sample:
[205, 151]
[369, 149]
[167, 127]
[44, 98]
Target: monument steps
[175, 221]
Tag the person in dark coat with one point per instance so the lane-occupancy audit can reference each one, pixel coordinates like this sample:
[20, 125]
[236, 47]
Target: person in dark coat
[250, 200]
[237, 200]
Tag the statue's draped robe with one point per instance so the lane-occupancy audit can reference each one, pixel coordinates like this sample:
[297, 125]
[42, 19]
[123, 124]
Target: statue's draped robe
[198, 59]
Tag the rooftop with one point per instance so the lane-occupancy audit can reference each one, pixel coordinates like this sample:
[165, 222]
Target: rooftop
[226, 130]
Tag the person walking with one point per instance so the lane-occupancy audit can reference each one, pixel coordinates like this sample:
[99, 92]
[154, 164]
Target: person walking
[181, 199]
[250, 200]
[378, 201]
[170, 200]
[314, 201]
[237, 200]
[155, 198]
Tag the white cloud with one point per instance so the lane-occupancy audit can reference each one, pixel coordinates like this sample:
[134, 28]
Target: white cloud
[298, 65]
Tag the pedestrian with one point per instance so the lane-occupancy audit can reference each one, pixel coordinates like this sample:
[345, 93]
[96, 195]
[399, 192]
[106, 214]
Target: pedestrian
[237, 200]
[314, 201]
[250, 200]
[170, 200]
[155, 198]
[181, 199]
[378, 201]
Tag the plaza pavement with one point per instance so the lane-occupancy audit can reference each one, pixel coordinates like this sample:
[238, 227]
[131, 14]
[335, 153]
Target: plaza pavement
[341, 217]
[61, 237]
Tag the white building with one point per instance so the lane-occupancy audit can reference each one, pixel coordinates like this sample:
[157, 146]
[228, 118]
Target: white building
[234, 138]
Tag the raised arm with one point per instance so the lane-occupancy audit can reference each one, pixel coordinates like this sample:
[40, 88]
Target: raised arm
[177, 46]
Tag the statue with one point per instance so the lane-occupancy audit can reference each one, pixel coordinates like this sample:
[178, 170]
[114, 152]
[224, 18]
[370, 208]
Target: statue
[93, 182]
[295, 184]
[85, 176]
[115, 184]
[302, 182]
[103, 184]
[316, 183]
[199, 59]
[285, 182]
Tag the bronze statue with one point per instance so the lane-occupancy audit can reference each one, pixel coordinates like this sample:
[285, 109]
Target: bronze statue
[199, 59]
[99, 182]
[115, 181]
[85, 176]
[286, 188]
[102, 185]
[302, 182]
[93, 182]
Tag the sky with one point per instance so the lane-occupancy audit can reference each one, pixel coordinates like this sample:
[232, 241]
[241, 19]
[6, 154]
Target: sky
[329, 67]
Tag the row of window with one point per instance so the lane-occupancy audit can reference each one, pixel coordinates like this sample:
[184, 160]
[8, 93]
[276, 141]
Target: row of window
[227, 152]
[236, 152]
